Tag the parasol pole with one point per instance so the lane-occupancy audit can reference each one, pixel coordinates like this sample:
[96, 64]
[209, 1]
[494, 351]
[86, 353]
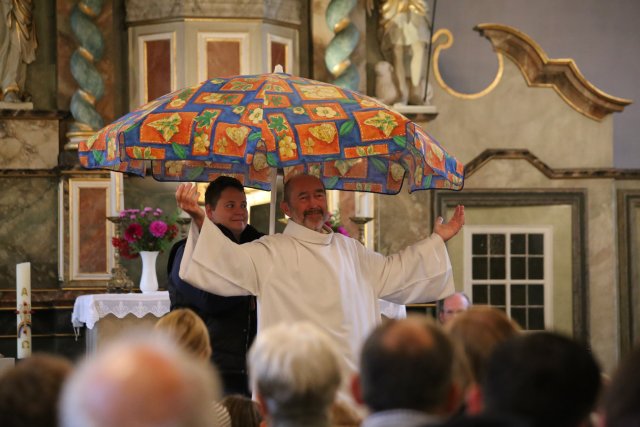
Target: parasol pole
[274, 199]
[274, 182]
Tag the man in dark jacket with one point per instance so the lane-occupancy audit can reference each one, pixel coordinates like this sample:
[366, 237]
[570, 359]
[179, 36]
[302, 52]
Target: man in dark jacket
[231, 321]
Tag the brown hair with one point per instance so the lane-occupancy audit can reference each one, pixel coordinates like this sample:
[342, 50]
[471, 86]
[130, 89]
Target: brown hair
[477, 332]
[243, 411]
[30, 391]
[188, 329]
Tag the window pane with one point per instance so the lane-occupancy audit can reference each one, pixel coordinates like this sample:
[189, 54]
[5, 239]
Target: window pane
[536, 319]
[536, 246]
[479, 294]
[518, 295]
[496, 244]
[479, 244]
[518, 243]
[479, 268]
[536, 295]
[496, 266]
[518, 269]
[497, 295]
[520, 316]
[536, 268]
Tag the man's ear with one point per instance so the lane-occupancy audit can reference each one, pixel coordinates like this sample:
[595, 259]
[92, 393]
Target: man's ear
[474, 400]
[284, 206]
[356, 389]
[262, 405]
[454, 399]
[209, 211]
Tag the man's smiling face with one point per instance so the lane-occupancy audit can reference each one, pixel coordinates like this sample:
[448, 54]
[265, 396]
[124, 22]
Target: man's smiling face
[306, 202]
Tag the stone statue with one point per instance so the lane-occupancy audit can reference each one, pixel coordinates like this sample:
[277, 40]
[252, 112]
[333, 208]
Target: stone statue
[17, 46]
[405, 33]
[385, 89]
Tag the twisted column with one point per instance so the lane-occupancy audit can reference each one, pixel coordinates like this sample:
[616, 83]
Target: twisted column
[342, 44]
[91, 85]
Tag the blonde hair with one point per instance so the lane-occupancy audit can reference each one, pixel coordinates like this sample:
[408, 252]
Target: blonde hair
[189, 331]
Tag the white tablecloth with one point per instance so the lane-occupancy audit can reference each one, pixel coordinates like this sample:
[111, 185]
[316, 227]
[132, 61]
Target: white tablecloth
[88, 309]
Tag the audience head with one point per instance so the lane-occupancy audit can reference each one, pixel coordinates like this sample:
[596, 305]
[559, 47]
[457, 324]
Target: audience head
[305, 201]
[451, 306]
[142, 381]
[226, 204]
[622, 399]
[30, 391]
[545, 378]
[242, 410]
[295, 372]
[478, 331]
[188, 330]
[408, 364]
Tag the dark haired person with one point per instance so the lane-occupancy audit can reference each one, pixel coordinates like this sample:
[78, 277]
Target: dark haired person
[231, 321]
[409, 376]
[544, 378]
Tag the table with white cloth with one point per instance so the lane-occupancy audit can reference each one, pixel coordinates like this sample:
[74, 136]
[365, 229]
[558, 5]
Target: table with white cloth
[107, 316]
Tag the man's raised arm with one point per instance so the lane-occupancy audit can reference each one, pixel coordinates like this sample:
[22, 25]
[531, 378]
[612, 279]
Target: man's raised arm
[187, 199]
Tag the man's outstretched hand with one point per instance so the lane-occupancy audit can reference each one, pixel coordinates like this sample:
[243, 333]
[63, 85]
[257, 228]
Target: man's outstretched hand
[187, 199]
[449, 229]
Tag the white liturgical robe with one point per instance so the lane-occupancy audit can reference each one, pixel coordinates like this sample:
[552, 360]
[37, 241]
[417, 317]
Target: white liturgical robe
[330, 280]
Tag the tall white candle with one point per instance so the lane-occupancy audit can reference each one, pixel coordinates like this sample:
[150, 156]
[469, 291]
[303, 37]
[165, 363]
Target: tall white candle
[364, 205]
[23, 308]
[116, 195]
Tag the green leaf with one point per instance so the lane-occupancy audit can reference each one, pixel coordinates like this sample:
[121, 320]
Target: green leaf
[346, 127]
[426, 182]
[277, 124]
[378, 164]
[400, 141]
[272, 160]
[255, 135]
[98, 157]
[205, 118]
[181, 153]
[137, 152]
[194, 173]
[147, 153]
[331, 182]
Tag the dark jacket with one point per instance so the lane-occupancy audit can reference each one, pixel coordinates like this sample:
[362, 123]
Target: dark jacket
[231, 321]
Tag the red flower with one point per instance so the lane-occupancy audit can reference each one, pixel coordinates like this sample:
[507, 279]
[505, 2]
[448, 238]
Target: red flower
[123, 248]
[133, 232]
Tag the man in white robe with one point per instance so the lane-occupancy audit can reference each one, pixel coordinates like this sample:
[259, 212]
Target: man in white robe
[308, 273]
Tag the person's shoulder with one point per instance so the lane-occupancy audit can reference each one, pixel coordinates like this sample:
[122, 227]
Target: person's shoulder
[250, 234]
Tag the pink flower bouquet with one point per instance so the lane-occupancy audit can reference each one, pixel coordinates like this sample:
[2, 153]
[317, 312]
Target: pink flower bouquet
[145, 230]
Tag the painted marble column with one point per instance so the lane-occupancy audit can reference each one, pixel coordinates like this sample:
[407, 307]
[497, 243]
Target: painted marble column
[90, 82]
[344, 42]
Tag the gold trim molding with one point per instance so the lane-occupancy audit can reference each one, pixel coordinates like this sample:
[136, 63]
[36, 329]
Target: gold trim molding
[561, 173]
[562, 75]
[445, 44]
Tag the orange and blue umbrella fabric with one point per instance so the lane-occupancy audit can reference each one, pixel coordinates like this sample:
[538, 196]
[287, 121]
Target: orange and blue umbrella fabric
[245, 125]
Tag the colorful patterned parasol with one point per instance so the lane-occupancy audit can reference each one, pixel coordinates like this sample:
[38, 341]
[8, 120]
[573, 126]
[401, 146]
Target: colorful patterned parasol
[243, 126]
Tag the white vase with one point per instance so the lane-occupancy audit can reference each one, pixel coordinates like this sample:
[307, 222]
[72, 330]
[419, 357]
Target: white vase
[148, 279]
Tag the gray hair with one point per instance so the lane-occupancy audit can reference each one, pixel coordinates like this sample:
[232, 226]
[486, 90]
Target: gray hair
[146, 381]
[296, 369]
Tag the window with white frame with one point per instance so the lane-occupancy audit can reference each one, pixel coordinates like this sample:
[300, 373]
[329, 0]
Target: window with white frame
[510, 268]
